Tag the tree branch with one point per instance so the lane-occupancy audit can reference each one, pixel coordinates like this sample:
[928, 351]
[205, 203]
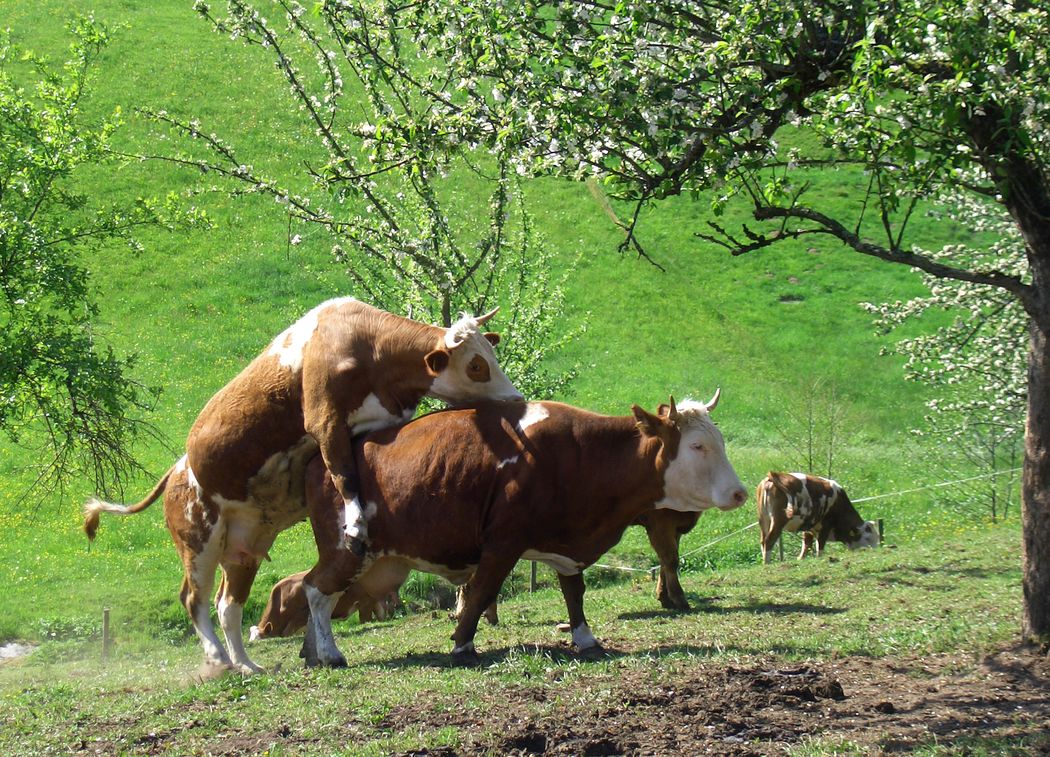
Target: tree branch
[827, 225]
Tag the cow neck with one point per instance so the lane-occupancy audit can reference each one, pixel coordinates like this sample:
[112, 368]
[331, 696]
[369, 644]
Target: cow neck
[395, 339]
[399, 346]
[640, 472]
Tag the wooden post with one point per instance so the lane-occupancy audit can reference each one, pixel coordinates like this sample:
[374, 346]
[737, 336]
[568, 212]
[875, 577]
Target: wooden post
[881, 532]
[106, 642]
[780, 541]
[532, 576]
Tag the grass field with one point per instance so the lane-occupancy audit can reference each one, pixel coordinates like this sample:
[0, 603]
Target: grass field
[900, 600]
[197, 307]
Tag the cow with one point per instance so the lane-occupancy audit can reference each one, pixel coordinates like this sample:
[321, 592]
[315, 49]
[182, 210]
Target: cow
[344, 368]
[287, 611]
[466, 493]
[818, 507]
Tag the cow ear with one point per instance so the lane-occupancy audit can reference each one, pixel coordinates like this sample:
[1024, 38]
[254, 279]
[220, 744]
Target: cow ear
[492, 337]
[648, 423]
[436, 361]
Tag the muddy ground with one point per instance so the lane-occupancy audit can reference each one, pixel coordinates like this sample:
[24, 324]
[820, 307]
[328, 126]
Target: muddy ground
[887, 705]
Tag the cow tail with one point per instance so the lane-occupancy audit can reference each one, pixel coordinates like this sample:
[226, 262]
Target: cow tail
[94, 507]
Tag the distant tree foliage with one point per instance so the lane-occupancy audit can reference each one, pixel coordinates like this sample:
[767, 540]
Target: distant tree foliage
[660, 97]
[63, 392]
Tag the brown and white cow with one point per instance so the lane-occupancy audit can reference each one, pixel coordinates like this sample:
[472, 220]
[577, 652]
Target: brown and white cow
[818, 507]
[287, 611]
[467, 493]
[343, 368]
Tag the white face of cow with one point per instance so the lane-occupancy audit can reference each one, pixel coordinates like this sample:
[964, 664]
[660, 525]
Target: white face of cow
[868, 537]
[700, 476]
[467, 369]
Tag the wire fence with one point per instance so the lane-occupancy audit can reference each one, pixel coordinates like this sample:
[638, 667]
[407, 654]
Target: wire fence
[653, 570]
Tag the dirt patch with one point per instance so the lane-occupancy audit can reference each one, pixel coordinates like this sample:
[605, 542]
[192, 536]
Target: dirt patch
[886, 705]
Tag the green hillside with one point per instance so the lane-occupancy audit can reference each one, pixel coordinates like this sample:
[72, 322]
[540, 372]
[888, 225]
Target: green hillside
[197, 307]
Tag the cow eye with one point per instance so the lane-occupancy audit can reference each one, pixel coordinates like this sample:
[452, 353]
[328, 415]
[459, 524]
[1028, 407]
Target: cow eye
[478, 369]
[698, 446]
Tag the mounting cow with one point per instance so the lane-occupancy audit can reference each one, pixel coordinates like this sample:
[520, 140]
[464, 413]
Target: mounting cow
[467, 493]
[343, 368]
[818, 507]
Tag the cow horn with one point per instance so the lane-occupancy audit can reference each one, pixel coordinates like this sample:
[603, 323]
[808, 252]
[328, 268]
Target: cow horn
[714, 400]
[672, 413]
[483, 318]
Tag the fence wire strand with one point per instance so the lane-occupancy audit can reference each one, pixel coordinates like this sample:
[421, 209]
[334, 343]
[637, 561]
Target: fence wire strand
[708, 545]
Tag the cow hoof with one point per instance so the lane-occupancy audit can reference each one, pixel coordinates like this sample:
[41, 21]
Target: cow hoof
[591, 652]
[468, 658]
[248, 668]
[313, 661]
[669, 603]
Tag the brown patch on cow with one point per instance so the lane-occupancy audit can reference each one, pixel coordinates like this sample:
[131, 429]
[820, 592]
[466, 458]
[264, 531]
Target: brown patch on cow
[189, 519]
[478, 369]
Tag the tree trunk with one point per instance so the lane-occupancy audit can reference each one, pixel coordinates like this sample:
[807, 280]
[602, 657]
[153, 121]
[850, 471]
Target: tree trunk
[1035, 495]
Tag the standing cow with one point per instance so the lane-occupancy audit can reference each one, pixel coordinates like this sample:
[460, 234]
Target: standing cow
[818, 507]
[343, 368]
[467, 493]
[287, 611]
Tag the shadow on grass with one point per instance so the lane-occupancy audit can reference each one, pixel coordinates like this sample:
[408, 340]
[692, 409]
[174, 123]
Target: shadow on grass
[563, 655]
[559, 654]
[712, 608]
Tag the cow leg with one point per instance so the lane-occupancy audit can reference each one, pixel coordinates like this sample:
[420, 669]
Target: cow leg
[327, 422]
[807, 543]
[479, 593]
[319, 649]
[572, 589]
[324, 587]
[664, 537]
[491, 613]
[233, 592]
[198, 528]
[771, 530]
[197, 583]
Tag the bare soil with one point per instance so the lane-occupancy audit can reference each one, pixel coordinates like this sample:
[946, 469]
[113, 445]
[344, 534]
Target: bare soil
[1000, 703]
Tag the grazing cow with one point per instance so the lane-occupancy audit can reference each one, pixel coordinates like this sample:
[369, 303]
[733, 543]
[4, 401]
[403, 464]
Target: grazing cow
[345, 367]
[818, 507]
[287, 611]
[467, 493]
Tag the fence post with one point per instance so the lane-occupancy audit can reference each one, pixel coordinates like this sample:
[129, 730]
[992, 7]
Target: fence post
[105, 633]
[881, 532]
[532, 576]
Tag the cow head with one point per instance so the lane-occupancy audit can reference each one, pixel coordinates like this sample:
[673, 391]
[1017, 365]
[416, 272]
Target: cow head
[698, 476]
[464, 367]
[867, 535]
